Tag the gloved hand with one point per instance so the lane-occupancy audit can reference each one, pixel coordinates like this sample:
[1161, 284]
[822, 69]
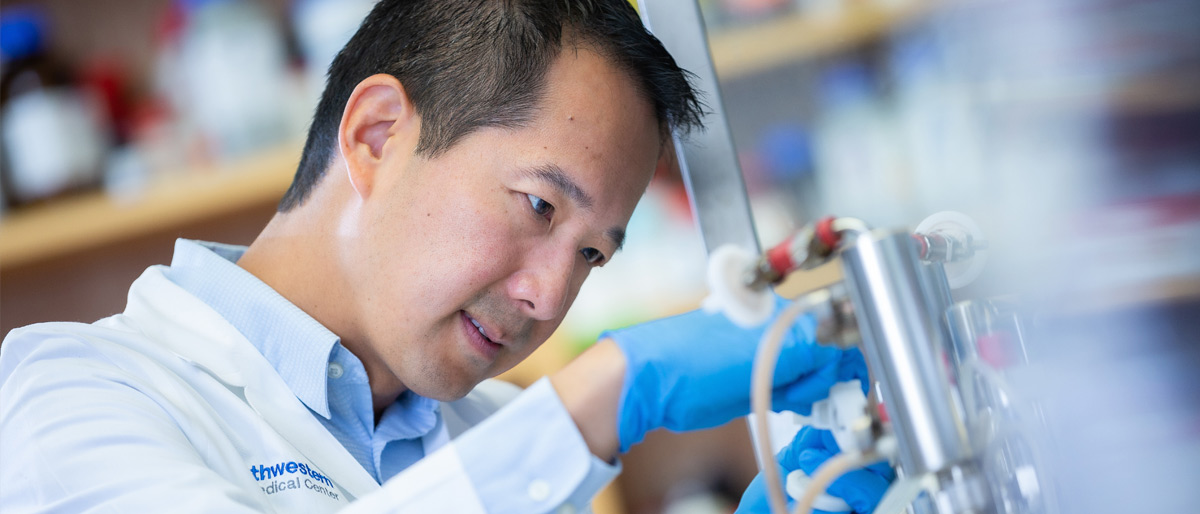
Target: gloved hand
[692, 371]
[861, 489]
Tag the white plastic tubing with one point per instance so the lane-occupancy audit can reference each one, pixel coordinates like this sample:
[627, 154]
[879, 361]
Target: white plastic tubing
[760, 398]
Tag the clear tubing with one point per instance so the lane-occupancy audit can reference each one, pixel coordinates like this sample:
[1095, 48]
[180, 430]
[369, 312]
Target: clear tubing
[761, 387]
[833, 468]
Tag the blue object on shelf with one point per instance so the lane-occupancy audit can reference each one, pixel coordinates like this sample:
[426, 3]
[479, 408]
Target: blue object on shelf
[22, 32]
[786, 152]
[845, 82]
[194, 5]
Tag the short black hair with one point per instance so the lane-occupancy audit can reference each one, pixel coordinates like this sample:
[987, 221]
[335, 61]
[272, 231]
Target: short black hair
[469, 64]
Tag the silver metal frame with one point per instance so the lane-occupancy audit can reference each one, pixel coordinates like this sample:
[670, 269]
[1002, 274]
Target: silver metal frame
[899, 302]
[707, 158]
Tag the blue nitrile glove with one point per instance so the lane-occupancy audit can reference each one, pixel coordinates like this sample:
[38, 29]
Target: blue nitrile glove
[861, 489]
[692, 371]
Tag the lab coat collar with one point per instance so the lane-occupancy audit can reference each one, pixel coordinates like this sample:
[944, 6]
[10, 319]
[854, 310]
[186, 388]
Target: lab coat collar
[186, 326]
[297, 346]
[293, 342]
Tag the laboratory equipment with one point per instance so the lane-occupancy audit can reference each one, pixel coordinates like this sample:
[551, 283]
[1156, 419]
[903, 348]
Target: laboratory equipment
[938, 409]
[900, 301]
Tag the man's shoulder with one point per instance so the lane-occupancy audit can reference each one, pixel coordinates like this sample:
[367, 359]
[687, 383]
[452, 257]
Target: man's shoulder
[29, 338]
[110, 342]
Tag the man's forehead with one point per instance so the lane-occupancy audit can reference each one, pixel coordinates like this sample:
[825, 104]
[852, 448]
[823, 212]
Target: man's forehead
[602, 132]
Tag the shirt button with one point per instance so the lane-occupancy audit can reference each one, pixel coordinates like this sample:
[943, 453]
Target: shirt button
[539, 490]
[335, 370]
[566, 508]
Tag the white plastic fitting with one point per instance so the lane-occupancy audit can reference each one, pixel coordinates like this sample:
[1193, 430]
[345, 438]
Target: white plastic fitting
[728, 294]
[903, 491]
[958, 226]
[844, 413]
[798, 481]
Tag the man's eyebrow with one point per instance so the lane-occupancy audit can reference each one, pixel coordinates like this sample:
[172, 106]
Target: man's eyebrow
[558, 179]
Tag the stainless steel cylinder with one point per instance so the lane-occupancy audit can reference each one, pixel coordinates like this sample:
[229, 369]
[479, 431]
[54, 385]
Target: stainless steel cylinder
[965, 321]
[899, 303]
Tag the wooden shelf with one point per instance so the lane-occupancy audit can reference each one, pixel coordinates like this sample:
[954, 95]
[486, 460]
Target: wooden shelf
[742, 51]
[1179, 289]
[1150, 94]
[96, 219]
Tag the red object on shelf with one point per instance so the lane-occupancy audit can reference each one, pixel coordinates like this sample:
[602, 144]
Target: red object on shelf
[108, 78]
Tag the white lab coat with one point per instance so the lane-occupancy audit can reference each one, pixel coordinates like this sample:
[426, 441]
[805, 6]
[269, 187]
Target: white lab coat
[183, 410]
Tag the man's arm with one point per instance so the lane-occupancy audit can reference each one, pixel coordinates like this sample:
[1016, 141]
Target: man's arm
[689, 372]
[78, 429]
[528, 457]
[81, 429]
[590, 388]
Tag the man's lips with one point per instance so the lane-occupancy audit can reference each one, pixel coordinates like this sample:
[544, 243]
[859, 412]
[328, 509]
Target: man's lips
[491, 334]
[475, 333]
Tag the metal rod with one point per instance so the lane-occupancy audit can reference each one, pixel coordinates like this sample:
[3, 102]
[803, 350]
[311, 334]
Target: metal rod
[707, 158]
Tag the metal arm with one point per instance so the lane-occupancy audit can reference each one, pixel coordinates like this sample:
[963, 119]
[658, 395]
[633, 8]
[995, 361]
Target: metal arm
[707, 159]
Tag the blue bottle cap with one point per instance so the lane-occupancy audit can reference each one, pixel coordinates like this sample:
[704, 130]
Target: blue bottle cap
[22, 32]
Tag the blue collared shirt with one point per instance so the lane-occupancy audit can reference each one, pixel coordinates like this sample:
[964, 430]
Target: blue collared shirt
[332, 383]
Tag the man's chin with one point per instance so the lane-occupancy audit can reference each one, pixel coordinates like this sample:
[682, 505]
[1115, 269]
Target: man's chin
[448, 391]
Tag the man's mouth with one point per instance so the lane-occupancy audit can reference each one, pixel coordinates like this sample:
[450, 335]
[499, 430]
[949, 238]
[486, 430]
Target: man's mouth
[480, 328]
[477, 336]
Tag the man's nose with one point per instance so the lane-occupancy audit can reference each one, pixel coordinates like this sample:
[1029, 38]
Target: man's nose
[541, 285]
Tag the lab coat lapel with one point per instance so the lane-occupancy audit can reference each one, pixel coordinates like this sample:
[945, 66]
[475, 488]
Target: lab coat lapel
[183, 324]
[280, 407]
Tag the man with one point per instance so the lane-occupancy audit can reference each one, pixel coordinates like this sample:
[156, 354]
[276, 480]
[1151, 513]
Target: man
[468, 164]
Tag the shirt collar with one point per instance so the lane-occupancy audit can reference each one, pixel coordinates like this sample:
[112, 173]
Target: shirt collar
[296, 345]
[411, 416]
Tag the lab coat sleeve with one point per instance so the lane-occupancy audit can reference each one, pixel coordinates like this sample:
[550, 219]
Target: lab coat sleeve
[527, 458]
[81, 432]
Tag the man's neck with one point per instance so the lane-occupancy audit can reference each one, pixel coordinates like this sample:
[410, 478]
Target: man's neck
[292, 256]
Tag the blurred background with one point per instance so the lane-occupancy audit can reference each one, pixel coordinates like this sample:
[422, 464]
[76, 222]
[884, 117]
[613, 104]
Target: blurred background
[1068, 129]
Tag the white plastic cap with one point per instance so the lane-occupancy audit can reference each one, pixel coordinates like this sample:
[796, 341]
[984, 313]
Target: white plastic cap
[728, 293]
[957, 225]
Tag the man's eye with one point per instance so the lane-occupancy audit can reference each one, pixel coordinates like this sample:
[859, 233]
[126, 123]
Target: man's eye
[541, 207]
[592, 256]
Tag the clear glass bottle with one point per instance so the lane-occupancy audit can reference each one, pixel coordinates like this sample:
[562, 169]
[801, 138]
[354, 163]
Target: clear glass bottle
[52, 133]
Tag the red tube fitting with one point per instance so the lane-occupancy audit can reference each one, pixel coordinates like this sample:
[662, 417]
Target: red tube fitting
[780, 258]
[922, 245]
[825, 233]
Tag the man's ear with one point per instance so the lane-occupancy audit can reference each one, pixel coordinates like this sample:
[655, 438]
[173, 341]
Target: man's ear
[379, 118]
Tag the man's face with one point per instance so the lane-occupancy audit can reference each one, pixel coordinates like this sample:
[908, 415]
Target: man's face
[468, 261]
